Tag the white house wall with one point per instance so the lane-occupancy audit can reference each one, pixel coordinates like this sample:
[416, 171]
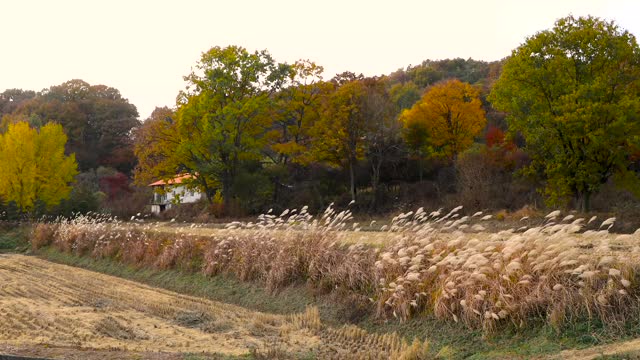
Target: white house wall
[171, 196]
[186, 196]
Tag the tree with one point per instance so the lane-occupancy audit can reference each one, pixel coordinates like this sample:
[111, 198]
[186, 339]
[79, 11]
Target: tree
[446, 119]
[415, 133]
[33, 166]
[339, 135]
[573, 94]
[404, 95]
[383, 141]
[224, 113]
[297, 108]
[155, 146]
[96, 118]
[11, 99]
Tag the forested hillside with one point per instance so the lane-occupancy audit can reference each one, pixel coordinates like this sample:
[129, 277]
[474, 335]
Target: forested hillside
[555, 123]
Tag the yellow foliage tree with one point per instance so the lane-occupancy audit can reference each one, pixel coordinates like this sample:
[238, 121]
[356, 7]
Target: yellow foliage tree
[450, 114]
[155, 146]
[33, 166]
[339, 134]
[297, 108]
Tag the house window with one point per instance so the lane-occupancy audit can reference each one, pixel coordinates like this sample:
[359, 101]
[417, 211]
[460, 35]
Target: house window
[160, 198]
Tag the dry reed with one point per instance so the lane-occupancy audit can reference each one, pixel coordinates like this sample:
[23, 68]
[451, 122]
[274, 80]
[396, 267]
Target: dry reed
[440, 263]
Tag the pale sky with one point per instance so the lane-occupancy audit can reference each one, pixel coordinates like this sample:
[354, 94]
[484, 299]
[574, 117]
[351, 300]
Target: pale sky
[143, 48]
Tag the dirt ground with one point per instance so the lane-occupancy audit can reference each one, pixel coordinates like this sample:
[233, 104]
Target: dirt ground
[46, 305]
[630, 350]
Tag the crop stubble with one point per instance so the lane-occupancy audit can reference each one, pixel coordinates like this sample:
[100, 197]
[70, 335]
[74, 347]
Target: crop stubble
[46, 303]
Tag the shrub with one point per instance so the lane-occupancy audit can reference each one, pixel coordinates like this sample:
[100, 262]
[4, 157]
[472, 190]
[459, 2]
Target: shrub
[124, 207]
[42, 235]
[485, 179]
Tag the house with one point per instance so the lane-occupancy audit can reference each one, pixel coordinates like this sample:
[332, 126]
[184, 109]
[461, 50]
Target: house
[173, 191]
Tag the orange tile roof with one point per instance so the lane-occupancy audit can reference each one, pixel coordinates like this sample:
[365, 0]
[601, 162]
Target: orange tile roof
[176, 180]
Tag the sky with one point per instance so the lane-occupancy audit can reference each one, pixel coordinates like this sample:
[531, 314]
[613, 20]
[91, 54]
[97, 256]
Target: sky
[144, 48]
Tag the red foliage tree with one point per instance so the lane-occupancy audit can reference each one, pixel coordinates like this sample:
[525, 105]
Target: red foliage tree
[115, 186]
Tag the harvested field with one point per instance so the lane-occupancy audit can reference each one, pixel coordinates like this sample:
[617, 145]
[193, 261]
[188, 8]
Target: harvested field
[66, 311]
[46, 303]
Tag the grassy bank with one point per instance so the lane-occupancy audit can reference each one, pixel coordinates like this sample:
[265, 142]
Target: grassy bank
[293, 299]
[449, 340]
[14, 237]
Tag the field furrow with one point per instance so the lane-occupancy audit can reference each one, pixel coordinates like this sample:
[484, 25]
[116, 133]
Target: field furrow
[45, 303]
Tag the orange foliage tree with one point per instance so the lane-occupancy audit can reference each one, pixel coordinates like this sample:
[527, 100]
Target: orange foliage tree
[447, 118]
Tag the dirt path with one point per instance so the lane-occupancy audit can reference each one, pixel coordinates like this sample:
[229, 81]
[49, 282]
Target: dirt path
[630, 349]
[346, 237]
[618, 243]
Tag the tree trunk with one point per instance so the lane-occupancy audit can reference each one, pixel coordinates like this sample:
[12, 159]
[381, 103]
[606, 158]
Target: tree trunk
[375, 180]
[226, 192]
[585, 202]
[209, 196]
[207, 191]
[352, 175]
[276, 190]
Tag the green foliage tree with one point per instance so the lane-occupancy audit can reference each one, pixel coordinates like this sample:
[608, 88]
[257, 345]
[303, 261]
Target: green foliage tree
[405, 95]
[161, 153]
[224, 113]
[416, 136]
[33, 167]
[430, 72]
[573, 93]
